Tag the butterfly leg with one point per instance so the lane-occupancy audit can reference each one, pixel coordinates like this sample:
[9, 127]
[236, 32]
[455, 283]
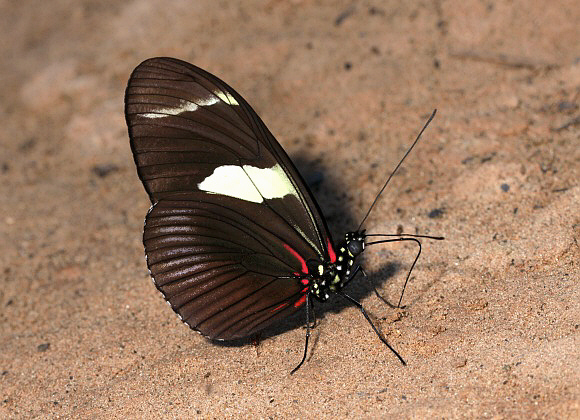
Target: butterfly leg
[308, 303]
[363, 272]
[372, 283]
[354, 273]
[314, 323]
[410, 270]
[381, 337]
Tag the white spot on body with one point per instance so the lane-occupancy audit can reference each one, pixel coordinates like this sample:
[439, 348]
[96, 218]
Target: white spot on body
[249, 183]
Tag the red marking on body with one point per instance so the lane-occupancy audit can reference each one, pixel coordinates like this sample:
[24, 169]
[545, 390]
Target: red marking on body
[282, 305]
[300, 301]
[305, 290]
[298, 257]
[331, 252]
[305, 281]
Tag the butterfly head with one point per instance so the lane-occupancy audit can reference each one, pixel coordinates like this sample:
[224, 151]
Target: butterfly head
[355, 243]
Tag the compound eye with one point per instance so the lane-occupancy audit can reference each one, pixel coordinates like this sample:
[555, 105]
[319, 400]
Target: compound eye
[355, 247]
[312, 266]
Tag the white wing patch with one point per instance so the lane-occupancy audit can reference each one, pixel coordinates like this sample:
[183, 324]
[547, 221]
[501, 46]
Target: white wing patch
[231, 180]
[249, 183]
[226, 97]
[271, 182]
[184, 106]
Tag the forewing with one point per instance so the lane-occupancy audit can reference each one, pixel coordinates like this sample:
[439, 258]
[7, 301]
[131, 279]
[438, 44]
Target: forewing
[190, 131]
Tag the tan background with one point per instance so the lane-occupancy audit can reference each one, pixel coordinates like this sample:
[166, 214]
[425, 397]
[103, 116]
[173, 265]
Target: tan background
[492, 322]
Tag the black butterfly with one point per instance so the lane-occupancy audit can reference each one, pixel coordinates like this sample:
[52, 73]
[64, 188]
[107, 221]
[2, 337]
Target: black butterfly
[234, 239]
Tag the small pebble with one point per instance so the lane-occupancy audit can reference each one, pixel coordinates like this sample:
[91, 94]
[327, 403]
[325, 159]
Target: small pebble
[435, 213]
[43, 347]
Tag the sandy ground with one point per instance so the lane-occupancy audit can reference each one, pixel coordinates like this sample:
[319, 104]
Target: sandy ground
[491, 326]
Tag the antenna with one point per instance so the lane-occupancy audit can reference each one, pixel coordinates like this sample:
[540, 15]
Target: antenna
[395, 170]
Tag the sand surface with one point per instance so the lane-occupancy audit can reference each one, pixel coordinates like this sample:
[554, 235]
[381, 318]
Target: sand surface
[491, 324]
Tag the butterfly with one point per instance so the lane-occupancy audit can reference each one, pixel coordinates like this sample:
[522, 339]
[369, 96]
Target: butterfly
[234, 239]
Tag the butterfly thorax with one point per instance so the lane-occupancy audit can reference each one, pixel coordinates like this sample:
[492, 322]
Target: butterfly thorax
[329, 277]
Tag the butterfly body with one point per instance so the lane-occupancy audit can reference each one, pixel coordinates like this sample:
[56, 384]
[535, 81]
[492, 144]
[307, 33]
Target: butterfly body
[331, 276]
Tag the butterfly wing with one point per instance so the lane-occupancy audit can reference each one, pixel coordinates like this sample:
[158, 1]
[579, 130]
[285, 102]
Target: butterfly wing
[225, 265]
[232, 223]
